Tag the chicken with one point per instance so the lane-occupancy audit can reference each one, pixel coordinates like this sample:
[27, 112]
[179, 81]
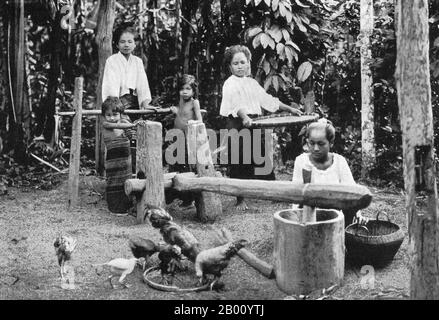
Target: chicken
[143, 248]
[121, 267]
[172, 233]
[64, 247]
[170, 262]
[157, 216]
[214, 260]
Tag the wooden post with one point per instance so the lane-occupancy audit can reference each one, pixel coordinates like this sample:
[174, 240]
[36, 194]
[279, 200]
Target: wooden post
[75, 145]
[208, 204]
[149, 161]
[414, 99]
[104, 37]
[368, 153]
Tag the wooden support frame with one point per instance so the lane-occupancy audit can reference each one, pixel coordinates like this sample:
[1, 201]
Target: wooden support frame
[149, 161]
[208, 204]
[75, 145]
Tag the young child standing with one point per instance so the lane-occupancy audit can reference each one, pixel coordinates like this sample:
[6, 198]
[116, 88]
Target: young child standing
[243, 99]
[118, 158]
[188, 109]
[320, 165]
[188, 106]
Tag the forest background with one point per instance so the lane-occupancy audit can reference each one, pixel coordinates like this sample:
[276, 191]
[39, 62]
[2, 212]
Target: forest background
[306, 51]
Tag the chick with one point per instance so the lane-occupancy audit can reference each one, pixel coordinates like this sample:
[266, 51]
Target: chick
[121, 267]
[64, 247]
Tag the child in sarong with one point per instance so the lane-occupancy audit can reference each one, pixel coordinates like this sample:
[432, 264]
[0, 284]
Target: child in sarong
[118, 157]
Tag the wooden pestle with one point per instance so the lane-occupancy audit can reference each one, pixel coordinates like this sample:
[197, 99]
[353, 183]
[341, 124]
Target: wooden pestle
[308, 212]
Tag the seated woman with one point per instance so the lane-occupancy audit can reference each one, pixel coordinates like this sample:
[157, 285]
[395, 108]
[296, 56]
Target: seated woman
[320, 165]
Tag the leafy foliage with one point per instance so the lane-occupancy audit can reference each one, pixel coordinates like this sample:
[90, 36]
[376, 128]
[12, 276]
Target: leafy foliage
[292, 43]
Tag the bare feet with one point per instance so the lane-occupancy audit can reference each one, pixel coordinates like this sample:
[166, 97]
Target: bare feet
[241, 205]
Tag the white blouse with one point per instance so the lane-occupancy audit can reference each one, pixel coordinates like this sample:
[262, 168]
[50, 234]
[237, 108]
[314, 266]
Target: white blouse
[121, 75]
[338, 173]
[247, 93]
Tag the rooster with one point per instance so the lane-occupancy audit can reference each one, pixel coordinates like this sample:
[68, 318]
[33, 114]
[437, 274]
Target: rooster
[121, 267]
[214, 260]
[172, 233]
[156, 215]
[143, 248]
[170, 261]
[64, 247]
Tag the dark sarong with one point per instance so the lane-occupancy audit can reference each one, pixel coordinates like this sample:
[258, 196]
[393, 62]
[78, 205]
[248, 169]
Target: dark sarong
[129, 101]
[245, 170]
[118, 170]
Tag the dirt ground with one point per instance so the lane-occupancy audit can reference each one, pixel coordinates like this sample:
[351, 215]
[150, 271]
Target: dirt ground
[31, 219]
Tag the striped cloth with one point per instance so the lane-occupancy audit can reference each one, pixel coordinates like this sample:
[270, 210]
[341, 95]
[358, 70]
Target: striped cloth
[118, 170]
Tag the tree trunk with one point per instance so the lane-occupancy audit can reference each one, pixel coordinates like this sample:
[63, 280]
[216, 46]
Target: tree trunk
[310, 97]
[414, 99]
[368, 153]
[19, 118]
[4, 83]
[48, 110]
[104, 39]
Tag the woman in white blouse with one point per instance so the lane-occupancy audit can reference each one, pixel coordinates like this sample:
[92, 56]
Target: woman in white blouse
[124, 73]
[125, 78]
[242, 99]
[321, 166]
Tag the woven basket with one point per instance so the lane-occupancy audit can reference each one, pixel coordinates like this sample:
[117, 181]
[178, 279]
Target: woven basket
[374, 244]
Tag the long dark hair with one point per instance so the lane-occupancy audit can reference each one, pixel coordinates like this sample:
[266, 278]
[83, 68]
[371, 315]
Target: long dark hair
[190, 80]
[123, 28]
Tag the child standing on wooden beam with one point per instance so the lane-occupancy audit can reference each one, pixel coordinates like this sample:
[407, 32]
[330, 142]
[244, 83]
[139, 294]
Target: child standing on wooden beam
[188, 109]
[118, 156]
[243, 98]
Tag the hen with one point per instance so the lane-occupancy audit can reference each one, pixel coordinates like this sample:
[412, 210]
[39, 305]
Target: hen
[172, 233]
[170, 262]
[143, 248]
[214, 260]
[121, 267]
[64, 247]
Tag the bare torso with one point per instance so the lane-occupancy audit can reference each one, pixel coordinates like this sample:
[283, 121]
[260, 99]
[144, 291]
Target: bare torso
[184, 114]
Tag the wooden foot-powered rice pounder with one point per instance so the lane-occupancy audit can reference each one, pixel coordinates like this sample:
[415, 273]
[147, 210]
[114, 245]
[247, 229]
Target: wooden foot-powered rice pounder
[309, 249]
